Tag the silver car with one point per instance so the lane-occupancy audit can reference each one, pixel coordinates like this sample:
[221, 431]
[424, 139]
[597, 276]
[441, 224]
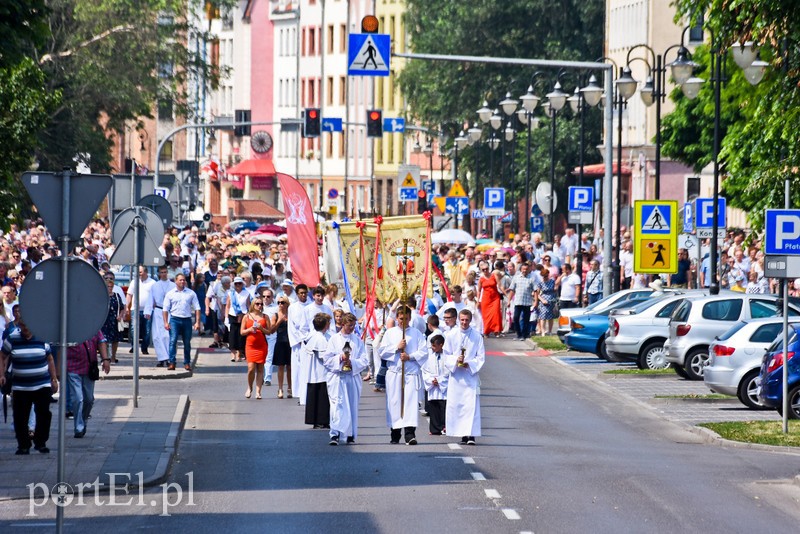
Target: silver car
[734, 359]
[565, 314]
[697, 321]
[638, 334]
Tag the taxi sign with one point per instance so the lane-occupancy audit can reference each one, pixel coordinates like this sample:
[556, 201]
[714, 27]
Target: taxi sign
[655, 249]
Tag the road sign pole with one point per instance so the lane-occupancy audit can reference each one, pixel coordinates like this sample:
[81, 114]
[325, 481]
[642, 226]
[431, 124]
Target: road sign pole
[133, 333]
[62, 360]
[785, 374]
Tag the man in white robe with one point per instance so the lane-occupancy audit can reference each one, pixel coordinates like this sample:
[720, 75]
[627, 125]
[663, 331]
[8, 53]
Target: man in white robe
[317, 405]
[395, 349]
[154, 308]
[299, 328]
[344, 379]
[311, 310]
[464, 357]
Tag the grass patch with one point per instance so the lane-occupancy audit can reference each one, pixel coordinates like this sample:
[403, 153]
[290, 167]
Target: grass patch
[639, 372]
[549, 343]
[696, 396]
[765, 432]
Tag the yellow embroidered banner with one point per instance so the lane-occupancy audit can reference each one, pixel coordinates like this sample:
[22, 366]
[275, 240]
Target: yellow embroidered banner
[350, 242]
[400, 257]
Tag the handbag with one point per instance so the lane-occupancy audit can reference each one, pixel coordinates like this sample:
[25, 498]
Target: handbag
[94, 369]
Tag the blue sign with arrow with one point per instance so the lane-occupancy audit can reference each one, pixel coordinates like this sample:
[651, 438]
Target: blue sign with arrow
[331, 124]
[456, 205]
[394, 125]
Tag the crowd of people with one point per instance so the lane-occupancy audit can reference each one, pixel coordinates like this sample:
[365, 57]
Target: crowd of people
[241, 292]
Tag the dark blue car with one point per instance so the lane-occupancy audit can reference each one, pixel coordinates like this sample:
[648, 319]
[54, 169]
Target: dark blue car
[588, 332]
[770, 392]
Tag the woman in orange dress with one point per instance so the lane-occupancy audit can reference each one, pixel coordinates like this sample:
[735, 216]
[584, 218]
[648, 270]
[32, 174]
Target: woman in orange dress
[255, 325]
[491, 289]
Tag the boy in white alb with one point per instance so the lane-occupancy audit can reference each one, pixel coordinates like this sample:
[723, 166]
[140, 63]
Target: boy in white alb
[464, 357]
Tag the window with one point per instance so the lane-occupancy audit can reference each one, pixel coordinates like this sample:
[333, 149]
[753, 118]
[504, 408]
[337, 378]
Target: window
[166, 152]
[692, 188]
[342, 90]
[667, 310]
[766, 333]
[303, 33]
[165, 110]
[682, 312]
[343, 38]
[329, 37]
[341, 145]
[696, 30]
[312, 41]
[379, 150]
[763, 308]
[329, 147]
[390, 148]
[227, 18]
[329, 91]
[723, 310]
[312, 92]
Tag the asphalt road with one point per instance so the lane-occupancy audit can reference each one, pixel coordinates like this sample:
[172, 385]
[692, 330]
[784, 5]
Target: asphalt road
[560, 453]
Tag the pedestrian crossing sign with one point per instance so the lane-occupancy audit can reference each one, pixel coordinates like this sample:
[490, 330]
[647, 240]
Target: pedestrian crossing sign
[368, 54]
[655, 229]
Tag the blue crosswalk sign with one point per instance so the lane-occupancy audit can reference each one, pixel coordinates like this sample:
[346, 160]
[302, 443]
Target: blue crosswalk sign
[656, 219]
[331, 124]
[368, 54]
[394, 125]
[408, 194]
[456, 205]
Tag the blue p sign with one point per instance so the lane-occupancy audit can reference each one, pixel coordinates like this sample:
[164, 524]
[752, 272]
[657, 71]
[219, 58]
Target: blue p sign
[581, 198]
[782, 232]
[494, 198]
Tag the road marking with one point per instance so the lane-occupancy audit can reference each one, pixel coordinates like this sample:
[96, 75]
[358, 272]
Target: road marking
[511, 514]
[454, 446]
[477, 476]
[468, 460]
[518, 353]
[492, 494]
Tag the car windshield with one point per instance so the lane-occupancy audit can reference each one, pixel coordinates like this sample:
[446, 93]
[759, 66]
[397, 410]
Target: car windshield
[642, 306]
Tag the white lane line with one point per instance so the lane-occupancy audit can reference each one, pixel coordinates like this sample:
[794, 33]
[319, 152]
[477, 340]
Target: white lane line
[468, 460]
[477, 476]
[454, 446]
[492, 494]
[511, 514]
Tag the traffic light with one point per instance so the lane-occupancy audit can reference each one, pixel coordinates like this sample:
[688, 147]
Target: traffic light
[311, 122]
[241, 115]
[374, 123]
[422, 200]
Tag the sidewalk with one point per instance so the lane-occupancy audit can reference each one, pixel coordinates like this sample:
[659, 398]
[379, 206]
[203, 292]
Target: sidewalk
[131, 443]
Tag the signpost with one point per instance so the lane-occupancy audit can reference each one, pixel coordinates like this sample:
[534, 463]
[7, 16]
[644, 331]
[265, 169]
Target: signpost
[368, 54]
[656, 247]
[408, 177]
[581, 205]
[704, 214]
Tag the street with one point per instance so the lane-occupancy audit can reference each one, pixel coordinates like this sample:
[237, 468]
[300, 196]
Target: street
[560, 453]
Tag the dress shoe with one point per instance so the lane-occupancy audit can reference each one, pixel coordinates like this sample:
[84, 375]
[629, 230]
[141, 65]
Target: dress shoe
[187, 367]
[80, 434]
[351, 439]
[22, 451]
[144, 351]
[160, 364]
[412, 441]
[70, 415]
[43, 450]
[171, 367]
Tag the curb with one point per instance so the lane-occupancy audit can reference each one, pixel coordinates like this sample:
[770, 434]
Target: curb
[170, 444]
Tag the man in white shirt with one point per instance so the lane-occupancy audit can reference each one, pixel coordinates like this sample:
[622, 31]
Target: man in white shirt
[464, 357]
[299, 328]
[570, 243]
[145, 284]
[569, 283]
[626, 264]
[178, 307]
[403, 344]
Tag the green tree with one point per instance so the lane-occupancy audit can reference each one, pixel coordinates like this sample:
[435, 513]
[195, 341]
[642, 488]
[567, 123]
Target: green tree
[23, 25]
[447, 92]
[761, 146]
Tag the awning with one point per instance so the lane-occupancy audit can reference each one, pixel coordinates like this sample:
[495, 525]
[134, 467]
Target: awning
[253, 167]
[599, 169]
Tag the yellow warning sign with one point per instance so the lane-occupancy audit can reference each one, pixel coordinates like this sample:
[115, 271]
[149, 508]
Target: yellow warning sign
[440, 203]
[409, 181]
[655, 255]
[457, 190]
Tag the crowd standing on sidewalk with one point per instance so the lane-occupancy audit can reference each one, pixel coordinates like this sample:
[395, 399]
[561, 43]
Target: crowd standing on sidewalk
[241, 291]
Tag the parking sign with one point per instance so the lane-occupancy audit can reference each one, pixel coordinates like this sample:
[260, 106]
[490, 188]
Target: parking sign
[704, 212]
[494, 201]
[581, 198]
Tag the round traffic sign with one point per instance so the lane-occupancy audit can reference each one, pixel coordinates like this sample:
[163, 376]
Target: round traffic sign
[87, 301]
[333, 193]
[160, 205]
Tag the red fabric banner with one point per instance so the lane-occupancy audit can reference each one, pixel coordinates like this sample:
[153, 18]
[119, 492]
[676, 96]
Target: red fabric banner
[301, 231]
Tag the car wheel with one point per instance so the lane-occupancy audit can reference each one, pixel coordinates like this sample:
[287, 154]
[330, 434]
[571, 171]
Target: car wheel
[679, 370]
[695, 363]
[602, 353]
[653, 356]
[794, 403]
[747, 391]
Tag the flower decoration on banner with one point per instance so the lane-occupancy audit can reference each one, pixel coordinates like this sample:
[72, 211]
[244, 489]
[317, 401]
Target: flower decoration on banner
[360, 224]
[345, 219]
[378, 220]
[427, 214]
[335, 225]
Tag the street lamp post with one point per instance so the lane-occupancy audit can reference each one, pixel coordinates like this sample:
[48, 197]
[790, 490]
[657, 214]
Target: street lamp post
[458, 144]
[555, 101]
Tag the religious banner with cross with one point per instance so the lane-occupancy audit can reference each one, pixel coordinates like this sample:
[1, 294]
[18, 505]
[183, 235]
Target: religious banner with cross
[405, 253]
[354, 264]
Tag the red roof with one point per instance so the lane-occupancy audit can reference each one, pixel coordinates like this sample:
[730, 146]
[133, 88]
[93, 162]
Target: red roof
[253, 167]
[599, 169]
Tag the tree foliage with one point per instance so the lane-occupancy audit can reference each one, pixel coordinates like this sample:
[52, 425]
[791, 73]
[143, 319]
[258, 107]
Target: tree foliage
[450, 92]
[761, 146]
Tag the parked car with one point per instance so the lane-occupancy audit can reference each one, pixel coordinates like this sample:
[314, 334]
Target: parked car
[566, 314]
[734, 358]
[637, 334]
[588, 331]
[770, 382]
[697, 321]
